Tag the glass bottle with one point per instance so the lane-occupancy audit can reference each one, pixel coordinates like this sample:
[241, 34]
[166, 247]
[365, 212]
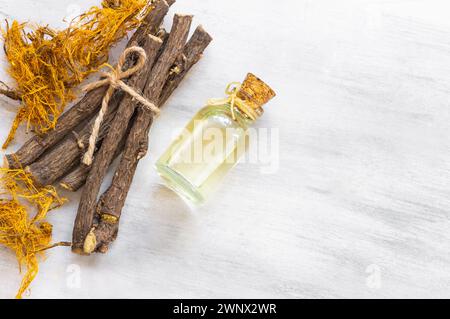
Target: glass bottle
[214, 140]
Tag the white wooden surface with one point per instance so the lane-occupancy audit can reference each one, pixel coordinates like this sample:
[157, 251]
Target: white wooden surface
[359, 206]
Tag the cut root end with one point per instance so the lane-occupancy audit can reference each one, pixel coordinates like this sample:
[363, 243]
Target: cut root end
[90, 243]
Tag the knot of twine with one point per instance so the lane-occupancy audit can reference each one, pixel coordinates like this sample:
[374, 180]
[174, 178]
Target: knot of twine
[114, 80]
[233, 100]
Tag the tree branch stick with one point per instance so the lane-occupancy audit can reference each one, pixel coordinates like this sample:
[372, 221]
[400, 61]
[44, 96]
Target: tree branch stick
[10, 93]
[192, 53]
[77, 177]
[112, 201]
[158, 76]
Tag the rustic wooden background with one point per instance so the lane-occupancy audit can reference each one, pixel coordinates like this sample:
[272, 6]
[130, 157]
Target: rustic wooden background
[359, 206]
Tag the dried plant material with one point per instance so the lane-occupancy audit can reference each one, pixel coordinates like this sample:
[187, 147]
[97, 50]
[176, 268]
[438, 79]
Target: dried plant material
[20, 196]
[88, 105]
[26, 237]
[96, 226]
[47, 64]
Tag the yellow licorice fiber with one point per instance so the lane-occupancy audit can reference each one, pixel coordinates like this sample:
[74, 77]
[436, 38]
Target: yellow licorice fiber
[24, 235]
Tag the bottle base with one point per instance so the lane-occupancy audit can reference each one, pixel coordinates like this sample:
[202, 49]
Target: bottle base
[179, 184]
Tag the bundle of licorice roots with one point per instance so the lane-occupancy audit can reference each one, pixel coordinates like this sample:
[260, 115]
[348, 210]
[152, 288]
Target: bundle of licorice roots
[54, 159]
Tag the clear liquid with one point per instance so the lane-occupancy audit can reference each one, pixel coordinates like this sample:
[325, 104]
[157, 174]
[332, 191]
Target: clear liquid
[210, 145]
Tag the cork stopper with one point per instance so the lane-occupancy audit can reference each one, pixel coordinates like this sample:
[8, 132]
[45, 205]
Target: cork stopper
[254, 92]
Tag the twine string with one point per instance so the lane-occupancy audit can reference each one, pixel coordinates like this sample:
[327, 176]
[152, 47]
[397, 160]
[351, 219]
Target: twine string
[234, 101]
[114, 80]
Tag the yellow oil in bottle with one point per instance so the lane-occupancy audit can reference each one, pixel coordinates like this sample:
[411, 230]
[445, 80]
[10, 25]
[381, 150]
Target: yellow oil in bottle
[210, 145]
[213, 141]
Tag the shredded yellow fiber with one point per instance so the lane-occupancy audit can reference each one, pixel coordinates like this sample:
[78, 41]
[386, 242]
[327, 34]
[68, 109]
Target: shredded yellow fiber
[26, 236]
[47, 64]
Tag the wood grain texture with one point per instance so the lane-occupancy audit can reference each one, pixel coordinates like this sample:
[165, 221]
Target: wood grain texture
[66, 155]
[105, 155]
[77, 177]
[136, 147]
[86, 220]
[362, 190]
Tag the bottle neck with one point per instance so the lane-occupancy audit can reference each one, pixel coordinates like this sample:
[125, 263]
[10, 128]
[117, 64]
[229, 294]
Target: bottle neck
[238, 109]
[241, 116]
[245, 109]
